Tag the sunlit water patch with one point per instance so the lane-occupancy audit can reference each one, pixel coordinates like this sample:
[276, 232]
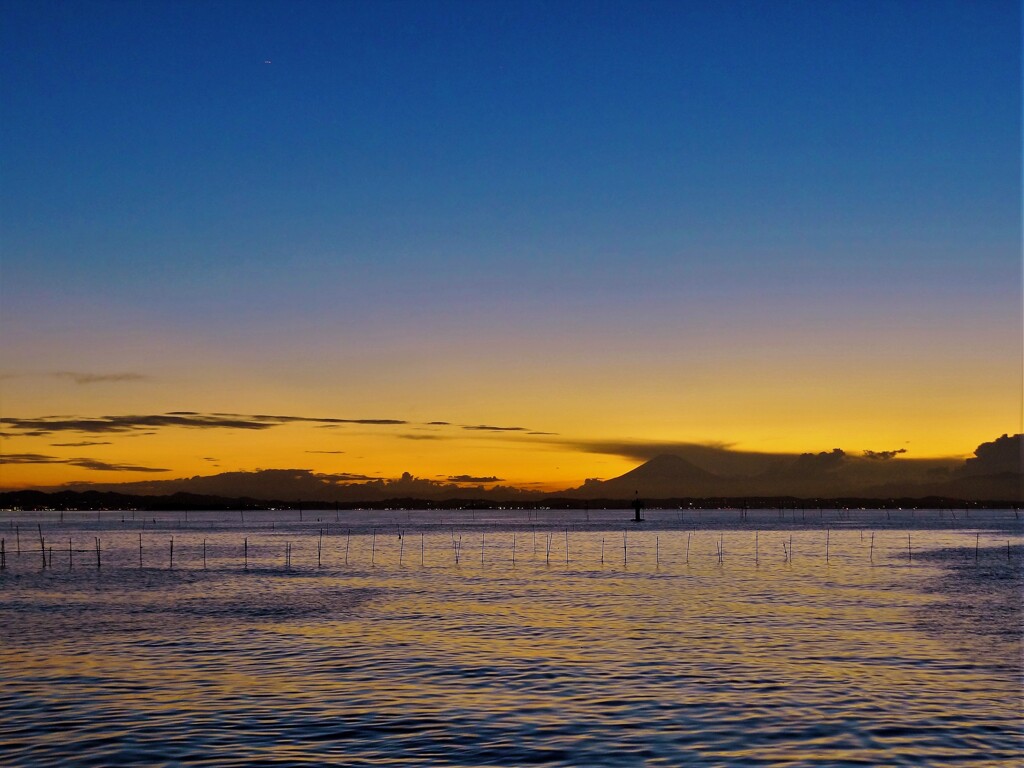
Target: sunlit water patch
[512, 642]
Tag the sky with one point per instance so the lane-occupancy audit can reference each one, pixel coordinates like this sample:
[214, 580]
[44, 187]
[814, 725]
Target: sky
[776, 227]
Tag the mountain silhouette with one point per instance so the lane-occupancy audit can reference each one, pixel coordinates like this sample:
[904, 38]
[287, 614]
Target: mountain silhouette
[664, 476]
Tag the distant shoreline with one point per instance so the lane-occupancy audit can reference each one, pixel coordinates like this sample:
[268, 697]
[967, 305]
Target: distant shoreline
[28, 500]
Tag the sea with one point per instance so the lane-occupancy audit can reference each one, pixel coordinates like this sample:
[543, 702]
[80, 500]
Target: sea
[508, 637]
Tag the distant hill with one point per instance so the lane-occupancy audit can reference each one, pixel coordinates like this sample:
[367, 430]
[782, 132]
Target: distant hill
[993, 473]
[663, 477]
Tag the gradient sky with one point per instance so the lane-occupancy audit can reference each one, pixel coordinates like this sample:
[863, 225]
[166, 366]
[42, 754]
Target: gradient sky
[781, 226]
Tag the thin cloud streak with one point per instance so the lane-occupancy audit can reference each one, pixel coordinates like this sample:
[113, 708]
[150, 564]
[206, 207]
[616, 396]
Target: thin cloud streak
[47, 425]
[84, 463]
[98, 378]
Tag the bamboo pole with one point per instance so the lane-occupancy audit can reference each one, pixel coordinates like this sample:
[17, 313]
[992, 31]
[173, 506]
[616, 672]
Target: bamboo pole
[42, 544]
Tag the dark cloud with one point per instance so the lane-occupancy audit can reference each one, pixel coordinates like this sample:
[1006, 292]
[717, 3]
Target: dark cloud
[422, 437]
[488, 428]
[818, 462]
[209, 458]
[346, 477]
[48, 425]
[542, 433]
[97, 378]
[80, 377]
[84, 463]
[472, 479]
[82, 444]
[324, 451]
[438, 423]
[283, 484]
[1004, 454]
[883, 455]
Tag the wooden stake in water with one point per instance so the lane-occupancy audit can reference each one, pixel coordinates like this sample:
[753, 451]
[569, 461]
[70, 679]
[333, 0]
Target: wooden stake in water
[17, 535]
[871, 554]
[97, 553]
[204, 554]
[828, 534]
[348, 539]
[483, 538]
[756, 562]
[71, 557]
[657, 553]
[373, 546]
[140, 549]
[42, 545]
[172, 554]
[910, 554]
[513, 549]
[566, 546]
[422, 546]
[3, 554]
[688, 547]
[319, 548]
[401, 549]
[624, 545]
[602, 550]
[977, 543]
[245, 550]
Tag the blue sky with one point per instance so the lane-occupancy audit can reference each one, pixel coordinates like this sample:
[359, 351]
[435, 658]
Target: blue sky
[592, 174]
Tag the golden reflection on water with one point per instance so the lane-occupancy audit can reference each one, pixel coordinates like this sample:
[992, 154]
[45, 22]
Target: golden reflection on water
[733, 662]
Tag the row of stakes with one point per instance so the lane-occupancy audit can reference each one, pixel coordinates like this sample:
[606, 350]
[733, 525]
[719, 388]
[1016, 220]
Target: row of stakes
[841, 514]
[787, 548]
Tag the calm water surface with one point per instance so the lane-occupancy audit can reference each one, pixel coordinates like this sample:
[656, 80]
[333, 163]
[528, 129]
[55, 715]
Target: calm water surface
[697, 641]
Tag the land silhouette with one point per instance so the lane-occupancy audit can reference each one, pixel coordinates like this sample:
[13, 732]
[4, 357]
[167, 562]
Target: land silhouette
[992, 475]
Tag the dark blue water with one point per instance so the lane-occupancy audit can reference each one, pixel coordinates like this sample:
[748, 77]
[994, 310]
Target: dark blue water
[692, 643]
